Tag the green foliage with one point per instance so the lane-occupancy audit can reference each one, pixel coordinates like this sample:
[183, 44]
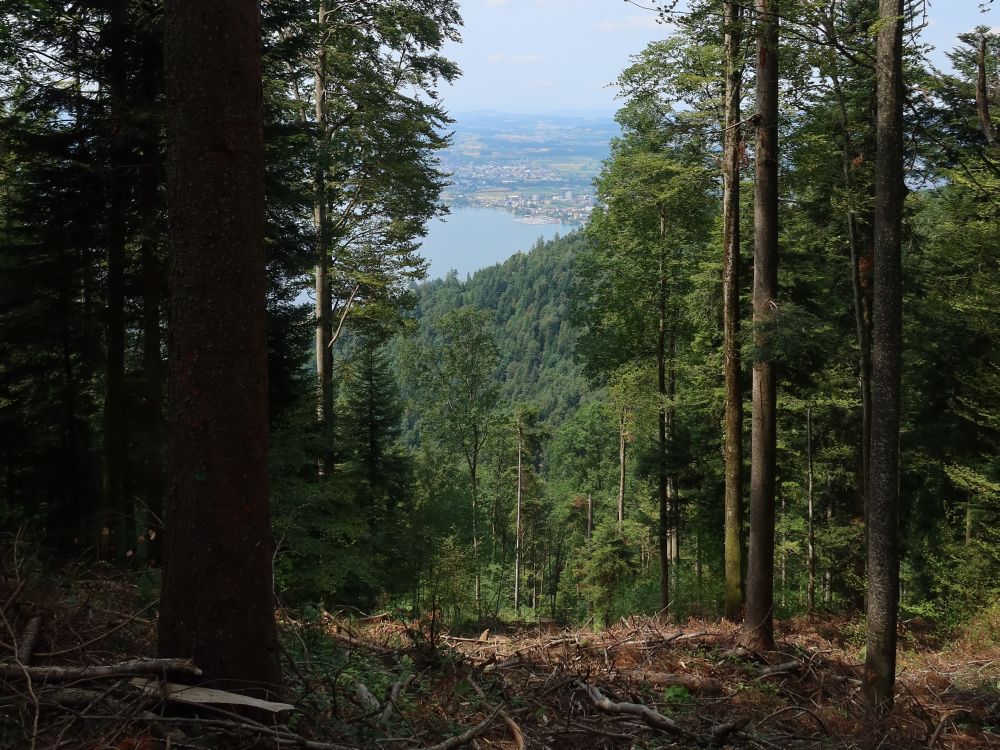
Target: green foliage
[610, 565]
[679, 697]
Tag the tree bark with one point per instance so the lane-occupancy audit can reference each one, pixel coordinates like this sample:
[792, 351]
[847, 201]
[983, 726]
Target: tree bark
[672, 499]
[810, 532]
[151, 259]
[661, 445]
[517, 530]
[217, 600]
[733, 451]
[473, 461]
[152, 343]
[114, 535]
[758, 624]
[324, 301]
[883, 515]
[622, 439]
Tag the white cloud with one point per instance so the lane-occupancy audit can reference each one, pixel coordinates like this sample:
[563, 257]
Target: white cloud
[496, 3]
[628, 22]
[496, 57]
[527, 59]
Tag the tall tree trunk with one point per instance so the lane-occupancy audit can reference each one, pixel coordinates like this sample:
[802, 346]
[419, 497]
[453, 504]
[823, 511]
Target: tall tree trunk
[473, 460]
[883, 515]
[149, 206]
[758, 624]
[622, 439]
[114, 531]
[672, 499]
[783, 555]
[810, 531]
[324, 300]
[219, 547]
[733, 531]
[661, 438]
[152, 343]
[828, 573]
[74, 500]
[517, 530]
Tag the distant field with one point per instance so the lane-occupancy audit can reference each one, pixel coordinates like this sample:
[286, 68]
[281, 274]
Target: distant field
[583, 165]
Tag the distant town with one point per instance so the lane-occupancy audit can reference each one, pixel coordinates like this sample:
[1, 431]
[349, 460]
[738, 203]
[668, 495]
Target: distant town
[541, 170]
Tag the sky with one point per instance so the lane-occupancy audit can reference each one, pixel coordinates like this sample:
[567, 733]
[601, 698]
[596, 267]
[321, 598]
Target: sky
[547, 56]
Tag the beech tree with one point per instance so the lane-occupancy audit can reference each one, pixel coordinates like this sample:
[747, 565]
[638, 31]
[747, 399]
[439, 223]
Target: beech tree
[216, 606]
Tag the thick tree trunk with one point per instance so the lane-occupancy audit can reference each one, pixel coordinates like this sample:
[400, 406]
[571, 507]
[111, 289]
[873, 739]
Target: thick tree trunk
[758, 624]
[217, 600]
[883, 503]
[733, 451]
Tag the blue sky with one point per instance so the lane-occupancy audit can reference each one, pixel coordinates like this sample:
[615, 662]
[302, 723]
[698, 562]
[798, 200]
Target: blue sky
[535, 56]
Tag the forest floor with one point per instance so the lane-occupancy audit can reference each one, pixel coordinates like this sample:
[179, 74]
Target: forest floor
[383, 682]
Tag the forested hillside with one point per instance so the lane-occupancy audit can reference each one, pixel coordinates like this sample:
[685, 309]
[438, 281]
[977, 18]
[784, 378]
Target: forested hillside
[730, 453]
[531, 299]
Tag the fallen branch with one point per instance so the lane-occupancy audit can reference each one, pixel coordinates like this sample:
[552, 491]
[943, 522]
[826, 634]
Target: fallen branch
[354, 641]
[467, 737]
[87, 699]
[801, 710]
[694, 683]
[515, 728]
[27, 644]
[390, 701]
[80, 646]
[13, 597]
[261, 733]
[788, 667]
[720, 732]
[648, 715]
[125, 669]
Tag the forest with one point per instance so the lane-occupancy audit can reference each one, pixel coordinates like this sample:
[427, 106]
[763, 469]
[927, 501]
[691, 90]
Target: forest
[721, 468]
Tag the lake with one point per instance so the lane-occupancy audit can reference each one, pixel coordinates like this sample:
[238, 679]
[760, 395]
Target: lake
[472, 238]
